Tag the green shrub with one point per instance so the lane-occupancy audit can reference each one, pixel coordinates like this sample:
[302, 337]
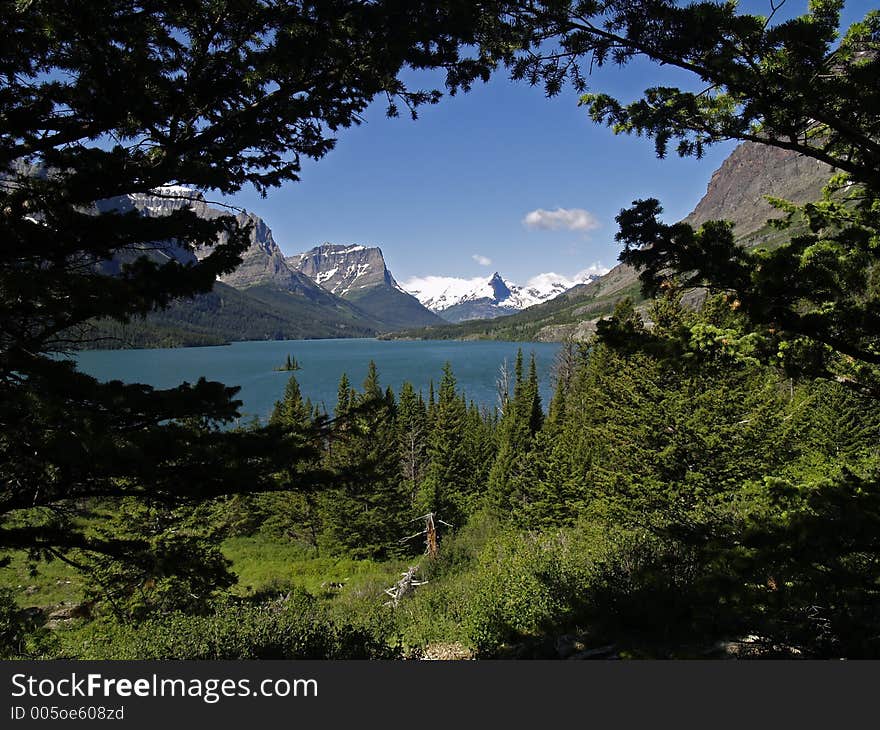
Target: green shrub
[294, 628]
[525, 585]
[523, 590]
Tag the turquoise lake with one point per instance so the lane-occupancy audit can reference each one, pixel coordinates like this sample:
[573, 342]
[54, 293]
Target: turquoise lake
[250, 365]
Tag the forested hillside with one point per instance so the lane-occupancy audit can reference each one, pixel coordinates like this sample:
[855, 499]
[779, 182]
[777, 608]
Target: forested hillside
[225, 315]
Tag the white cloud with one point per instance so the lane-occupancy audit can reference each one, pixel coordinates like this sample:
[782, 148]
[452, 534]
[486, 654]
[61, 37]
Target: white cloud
[482, 260]
[571, 219]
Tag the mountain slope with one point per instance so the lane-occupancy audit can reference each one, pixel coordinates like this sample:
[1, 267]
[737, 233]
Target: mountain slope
[263, 262]
[263, 298]
[736, 192]
[738, 189]
[358, 275]
[263, 265]
[227, 315]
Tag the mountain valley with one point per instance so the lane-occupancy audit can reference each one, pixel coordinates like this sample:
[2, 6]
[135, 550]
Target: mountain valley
[337, 290]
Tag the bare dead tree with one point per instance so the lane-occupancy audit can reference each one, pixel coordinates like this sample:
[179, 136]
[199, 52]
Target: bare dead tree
[502, 384]
[413, 459]
[565, 363]
[404, 586]
[432, 549]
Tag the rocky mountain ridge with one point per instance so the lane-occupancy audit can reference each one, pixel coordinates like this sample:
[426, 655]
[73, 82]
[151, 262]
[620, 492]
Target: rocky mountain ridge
[341, 269]
[358, 274]
[738, 190]
[271, 297]
[262, 263]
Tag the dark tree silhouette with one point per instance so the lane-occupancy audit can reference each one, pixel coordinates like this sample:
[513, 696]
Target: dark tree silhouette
[100, 100]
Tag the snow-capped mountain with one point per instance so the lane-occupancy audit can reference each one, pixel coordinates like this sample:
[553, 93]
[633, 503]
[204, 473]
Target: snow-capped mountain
[457, 299]
[359, 275]
[262, 262]
[334, 289]
[344, 269]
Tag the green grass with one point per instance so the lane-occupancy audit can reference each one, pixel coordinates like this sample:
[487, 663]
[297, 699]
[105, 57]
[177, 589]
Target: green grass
[457, 607]
[262, 564]
[348, 590]
[42, 584]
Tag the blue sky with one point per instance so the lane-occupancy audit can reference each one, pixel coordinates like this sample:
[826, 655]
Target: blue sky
[456, 185]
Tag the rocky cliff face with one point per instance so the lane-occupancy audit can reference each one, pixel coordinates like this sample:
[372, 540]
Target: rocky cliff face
[358, 274]
[263, 262]
[737, 190]
[500, 290]
[344, 269]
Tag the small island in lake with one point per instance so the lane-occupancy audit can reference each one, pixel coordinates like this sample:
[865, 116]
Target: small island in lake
[289, 364]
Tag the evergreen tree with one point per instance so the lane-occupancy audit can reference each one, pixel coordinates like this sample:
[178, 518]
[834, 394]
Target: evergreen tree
[516, 433]
[295, 512]
[532, 399]
[412, 439]
[291, 411]
[344, 396]
[835, 428]
[480, 446]
[447, 484]
[639, 436]
[180, 569]
[366, 512]
[103, 99]
[372, 388]
[431, 402]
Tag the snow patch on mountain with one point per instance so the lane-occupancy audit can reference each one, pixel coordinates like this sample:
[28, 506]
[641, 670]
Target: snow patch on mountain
[441, 292]
[323, 276]
[438, 293]
[176, 191]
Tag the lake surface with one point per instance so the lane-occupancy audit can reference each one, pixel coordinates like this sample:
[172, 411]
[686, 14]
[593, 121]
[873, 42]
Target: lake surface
[250, 365]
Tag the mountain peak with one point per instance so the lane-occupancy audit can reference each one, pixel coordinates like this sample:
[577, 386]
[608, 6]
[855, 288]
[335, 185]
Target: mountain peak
[340, 249]
[359, 274]
[456, 299]
[500, 290]
[342, 269]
